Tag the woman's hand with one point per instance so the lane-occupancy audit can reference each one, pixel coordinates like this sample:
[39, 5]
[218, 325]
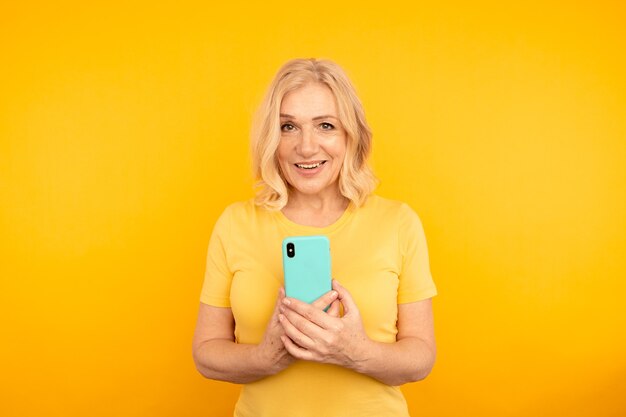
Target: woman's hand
[314, 335]
[272, 350]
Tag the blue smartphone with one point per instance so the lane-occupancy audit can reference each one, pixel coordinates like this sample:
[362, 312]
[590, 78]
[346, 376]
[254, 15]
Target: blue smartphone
[306, 267]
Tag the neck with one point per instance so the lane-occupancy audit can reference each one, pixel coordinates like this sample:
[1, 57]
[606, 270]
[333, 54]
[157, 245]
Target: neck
[315, 210]
[329, 202]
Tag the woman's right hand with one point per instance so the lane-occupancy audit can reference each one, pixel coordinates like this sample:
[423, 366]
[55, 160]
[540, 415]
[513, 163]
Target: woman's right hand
[271, 350]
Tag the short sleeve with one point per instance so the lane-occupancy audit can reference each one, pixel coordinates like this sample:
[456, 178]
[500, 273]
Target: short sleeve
[416, 282]
[218, 276]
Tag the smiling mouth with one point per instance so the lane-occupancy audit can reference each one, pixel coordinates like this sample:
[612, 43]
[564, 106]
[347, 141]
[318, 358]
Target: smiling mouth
[310, 166]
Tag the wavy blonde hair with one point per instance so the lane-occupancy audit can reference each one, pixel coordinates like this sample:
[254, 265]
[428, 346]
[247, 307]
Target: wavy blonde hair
[356, 179]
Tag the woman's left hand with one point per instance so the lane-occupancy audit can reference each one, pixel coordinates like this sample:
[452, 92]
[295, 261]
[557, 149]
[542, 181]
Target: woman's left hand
[315, 335]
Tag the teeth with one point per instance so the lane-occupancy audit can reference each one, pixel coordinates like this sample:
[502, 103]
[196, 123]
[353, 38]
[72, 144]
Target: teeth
[311, 166]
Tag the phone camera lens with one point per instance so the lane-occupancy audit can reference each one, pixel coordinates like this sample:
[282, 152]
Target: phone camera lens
[291, 250]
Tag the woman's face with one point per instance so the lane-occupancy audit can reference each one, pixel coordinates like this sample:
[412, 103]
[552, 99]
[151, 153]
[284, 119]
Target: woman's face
[313, 142]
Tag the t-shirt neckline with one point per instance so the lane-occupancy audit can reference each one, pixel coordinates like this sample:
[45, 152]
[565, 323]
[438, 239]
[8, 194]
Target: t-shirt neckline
[296, 228]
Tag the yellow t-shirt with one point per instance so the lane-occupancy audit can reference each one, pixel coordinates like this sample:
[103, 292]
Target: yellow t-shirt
[378, 252]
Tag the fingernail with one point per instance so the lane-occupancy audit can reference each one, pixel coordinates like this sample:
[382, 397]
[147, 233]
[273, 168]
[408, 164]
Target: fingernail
[333, 294]
[286, 301]
[281, 317]
[281, 309]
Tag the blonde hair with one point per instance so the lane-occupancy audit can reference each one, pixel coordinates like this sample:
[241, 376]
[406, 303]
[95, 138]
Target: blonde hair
[356, 179]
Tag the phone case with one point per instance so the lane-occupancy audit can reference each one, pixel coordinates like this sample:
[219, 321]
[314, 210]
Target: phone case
[307, 273]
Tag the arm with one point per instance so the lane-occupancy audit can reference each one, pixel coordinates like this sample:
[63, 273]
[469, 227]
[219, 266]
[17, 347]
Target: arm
[218, 356]
[316, 336]
[409, 359]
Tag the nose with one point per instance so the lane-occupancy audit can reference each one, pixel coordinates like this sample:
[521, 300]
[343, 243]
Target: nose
[308, 145]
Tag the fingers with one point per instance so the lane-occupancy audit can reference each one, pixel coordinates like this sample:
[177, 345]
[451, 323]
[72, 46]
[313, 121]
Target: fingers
[310, 313]
[325, 300]
[307, 323]
[297, 331]
[279, 303]
[343, 295]
[295, 350]
[335, 309]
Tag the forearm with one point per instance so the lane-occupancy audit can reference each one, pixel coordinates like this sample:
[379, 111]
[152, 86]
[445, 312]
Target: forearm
[407, 360]
[226, 360]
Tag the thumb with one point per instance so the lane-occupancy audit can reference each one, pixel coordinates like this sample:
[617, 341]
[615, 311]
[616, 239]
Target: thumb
[346, 299]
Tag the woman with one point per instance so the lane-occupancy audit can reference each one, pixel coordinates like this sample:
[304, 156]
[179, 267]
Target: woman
[310, 146]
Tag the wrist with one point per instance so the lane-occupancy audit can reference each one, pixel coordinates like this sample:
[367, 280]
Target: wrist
[363, 356]
[266, 360]
[262, 362]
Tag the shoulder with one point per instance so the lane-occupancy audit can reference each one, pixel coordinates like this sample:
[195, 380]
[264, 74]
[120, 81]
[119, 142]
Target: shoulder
[391, 214]
[239, 209]
[395, 209]
[243, 214]
[232, 218]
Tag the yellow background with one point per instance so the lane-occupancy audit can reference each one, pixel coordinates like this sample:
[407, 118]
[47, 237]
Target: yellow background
[124, 133]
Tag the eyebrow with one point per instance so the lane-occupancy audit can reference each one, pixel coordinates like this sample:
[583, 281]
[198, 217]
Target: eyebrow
[324, 116]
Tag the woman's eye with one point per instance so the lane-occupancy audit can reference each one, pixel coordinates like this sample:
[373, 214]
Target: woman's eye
[327, 126]
[286, 127]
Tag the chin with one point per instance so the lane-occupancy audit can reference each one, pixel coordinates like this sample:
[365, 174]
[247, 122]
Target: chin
[310, 190]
